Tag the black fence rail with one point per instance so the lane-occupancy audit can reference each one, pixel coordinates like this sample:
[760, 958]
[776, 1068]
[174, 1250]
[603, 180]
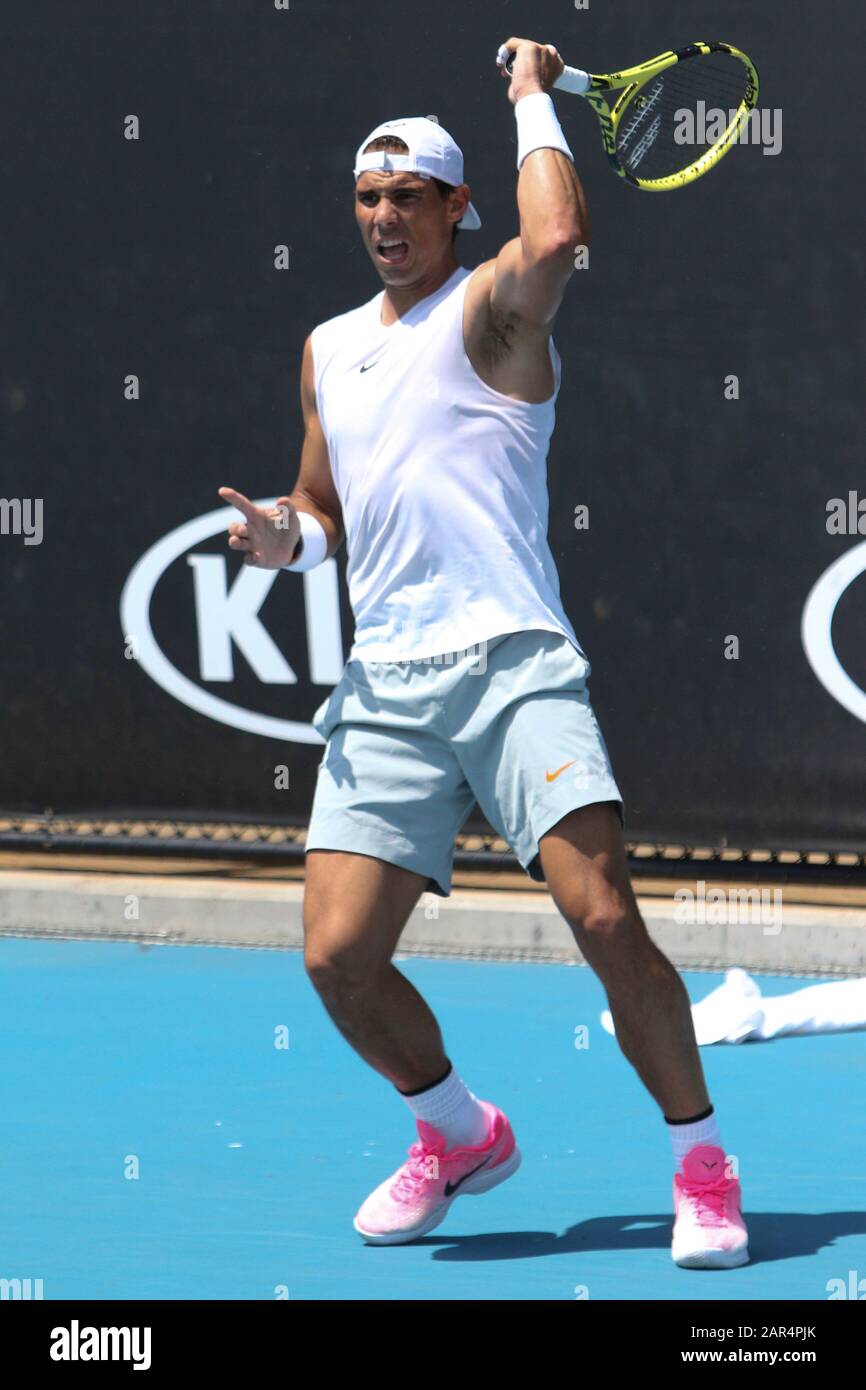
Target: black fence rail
[277, 844]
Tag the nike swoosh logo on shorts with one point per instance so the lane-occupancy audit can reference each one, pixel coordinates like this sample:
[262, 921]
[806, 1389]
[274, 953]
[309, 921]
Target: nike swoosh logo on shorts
[452, 1187]
[552, 776]
[367, 365]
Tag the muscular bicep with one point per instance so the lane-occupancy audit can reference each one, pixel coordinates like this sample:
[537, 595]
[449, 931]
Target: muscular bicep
[314, 490]
[530, 288]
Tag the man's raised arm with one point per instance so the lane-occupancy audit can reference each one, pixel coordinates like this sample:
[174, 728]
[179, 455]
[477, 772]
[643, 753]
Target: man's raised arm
[533, 270]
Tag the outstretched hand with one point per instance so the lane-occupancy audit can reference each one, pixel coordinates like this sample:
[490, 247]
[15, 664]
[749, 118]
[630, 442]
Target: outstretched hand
[268, 536]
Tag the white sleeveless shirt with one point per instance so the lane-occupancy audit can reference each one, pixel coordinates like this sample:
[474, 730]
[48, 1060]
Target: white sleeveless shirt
[442, 481]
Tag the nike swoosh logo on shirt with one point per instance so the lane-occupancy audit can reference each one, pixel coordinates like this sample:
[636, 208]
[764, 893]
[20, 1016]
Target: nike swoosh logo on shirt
[452, 1187]
[367, 365]
[552, 776]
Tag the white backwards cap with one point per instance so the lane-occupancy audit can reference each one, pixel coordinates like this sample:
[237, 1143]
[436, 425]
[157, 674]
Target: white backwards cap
[432, 154]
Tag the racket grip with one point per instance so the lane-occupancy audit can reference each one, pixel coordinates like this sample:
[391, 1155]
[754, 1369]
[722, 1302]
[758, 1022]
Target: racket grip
[573, 80]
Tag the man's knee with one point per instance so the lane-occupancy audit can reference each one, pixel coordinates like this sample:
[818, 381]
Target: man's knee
[332, 970]
[609, 925]
[334, 960]
[606, 923]
[601, 909]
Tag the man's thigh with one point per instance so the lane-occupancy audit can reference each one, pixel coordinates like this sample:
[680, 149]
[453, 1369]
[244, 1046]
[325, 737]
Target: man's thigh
[536, 752]
[392, 794]
[355, 908]
[584, 862]
[586, 868]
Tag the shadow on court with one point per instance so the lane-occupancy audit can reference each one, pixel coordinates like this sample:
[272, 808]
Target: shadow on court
[772, 1236]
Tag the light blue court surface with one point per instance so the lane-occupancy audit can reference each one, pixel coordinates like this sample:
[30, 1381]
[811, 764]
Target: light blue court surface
[253, 1159]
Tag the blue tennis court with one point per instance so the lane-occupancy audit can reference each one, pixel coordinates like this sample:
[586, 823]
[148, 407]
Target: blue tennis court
[160, 1140]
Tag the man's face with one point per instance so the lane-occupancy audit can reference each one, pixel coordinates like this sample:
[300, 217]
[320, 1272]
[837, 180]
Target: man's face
[402, 207]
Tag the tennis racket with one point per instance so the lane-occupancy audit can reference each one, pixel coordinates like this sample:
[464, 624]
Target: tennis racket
[654, 117]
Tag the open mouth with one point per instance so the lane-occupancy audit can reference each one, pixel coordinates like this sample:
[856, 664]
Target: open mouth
[393, 252]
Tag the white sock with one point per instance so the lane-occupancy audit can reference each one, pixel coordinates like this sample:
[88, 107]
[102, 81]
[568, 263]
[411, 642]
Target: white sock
[451, 1108]
[684, 1137]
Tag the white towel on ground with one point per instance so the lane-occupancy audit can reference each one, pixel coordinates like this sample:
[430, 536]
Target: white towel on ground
[736, 1011]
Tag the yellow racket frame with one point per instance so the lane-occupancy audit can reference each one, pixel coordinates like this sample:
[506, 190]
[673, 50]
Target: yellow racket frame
[629, 84]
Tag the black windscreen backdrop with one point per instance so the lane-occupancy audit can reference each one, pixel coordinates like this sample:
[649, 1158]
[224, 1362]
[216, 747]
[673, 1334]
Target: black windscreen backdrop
[154, 258]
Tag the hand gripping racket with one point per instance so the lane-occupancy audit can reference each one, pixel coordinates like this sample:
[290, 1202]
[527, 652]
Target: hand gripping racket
[670, 120]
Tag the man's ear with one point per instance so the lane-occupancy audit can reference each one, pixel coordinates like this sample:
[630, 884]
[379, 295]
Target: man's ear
[462, 204]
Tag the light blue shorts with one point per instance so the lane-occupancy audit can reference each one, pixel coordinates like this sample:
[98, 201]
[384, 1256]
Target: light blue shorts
[411, 745]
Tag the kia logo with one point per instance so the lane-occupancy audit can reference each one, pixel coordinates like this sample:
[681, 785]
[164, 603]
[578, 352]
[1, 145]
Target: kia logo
[227, 615]
[816, 630]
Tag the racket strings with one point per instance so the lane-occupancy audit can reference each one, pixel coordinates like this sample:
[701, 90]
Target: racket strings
[693, 87]
[665, 130]
[695, 76]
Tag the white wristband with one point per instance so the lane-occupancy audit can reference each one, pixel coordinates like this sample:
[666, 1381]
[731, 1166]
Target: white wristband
[538, 127]
[315, 547]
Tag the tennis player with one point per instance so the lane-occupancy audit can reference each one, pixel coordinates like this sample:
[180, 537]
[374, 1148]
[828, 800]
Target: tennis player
[428, 414]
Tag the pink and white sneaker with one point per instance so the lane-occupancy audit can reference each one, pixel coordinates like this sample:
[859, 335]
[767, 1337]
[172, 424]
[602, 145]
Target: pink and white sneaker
[709, 1232]
[416, 1198]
